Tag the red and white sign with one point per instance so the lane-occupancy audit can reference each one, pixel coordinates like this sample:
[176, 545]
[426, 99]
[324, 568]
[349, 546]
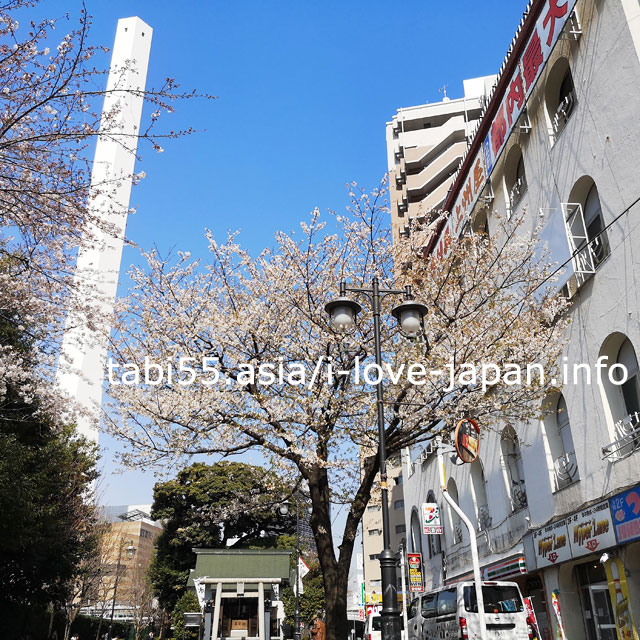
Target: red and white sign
[533, 58]
[431, 519]
[416, 584]
[303, 568]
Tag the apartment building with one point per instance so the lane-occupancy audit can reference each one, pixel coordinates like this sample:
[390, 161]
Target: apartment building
[556, 502]
[372, 531]
[127, 551]
[425, 145]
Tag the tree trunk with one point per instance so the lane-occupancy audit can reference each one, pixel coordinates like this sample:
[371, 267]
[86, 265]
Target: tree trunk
[335, 593]
[335, 571]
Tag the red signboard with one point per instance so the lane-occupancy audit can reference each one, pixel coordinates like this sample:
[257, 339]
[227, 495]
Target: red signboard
[416, 584]
[532, 58]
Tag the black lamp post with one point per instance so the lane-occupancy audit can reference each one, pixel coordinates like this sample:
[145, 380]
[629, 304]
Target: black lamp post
[410, 315]
[284, 510]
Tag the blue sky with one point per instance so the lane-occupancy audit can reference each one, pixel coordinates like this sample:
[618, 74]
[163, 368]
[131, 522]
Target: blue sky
[304, 90]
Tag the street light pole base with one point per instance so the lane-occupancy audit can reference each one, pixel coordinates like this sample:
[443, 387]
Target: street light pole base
[391, 625]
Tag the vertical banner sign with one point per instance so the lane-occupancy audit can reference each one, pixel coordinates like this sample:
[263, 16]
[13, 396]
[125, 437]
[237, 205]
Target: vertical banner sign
[620, 599]
[431, 519]
[556, 608]
[416, 584]
[200, 591]
[531, 614]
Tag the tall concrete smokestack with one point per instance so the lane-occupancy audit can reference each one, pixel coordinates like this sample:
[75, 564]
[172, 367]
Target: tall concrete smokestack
[83, 354]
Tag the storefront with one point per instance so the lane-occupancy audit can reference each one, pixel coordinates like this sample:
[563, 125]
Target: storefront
[589, 565]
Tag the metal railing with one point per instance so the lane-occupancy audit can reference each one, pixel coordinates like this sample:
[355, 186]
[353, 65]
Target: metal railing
[565, 470]
[563, 112]
[627, 438]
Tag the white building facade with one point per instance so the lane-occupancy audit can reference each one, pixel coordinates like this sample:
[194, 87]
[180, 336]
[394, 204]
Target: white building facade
[556, 503]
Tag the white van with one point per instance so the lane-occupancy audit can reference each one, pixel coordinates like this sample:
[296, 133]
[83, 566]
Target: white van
[373, 627]
[451, 613]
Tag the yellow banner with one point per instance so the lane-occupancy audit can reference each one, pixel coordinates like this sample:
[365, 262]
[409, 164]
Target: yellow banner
[620, 599]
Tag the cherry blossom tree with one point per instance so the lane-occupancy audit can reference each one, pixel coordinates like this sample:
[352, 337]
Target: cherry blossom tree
[490, 301]
[51, 95]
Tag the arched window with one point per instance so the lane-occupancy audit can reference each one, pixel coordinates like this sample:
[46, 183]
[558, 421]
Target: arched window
[513, 469]
[415, 533]
[479, 491]
[557, 427]
[596, 235]
[455, 524]
[560, 95]
[621, 397]
[585, 228]
[630, 389]
[515, 177]
[520, 184]
[480, 223]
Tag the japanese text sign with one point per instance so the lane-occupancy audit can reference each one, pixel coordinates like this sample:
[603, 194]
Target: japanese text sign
[625, 509]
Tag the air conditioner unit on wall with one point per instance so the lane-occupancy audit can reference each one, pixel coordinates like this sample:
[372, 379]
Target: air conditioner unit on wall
[524, 122]
[574, 25]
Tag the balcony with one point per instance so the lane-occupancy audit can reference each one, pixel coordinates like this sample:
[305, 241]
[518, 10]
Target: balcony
[517, 191]
[432, 175]
[519, 500]
[484, 518]
[627, 439]
[565, 470]
[563, 113]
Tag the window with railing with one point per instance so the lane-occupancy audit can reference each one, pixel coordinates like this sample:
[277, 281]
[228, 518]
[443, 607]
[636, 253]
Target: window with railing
[627, 428]
[515, 179]
[586, 234]
[560, 445]
[513, 470]
[519, 186]
[565, 106]
[479, 494]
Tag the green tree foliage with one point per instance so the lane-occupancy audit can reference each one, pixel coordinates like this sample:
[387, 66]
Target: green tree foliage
[311, 600]
[47, 528]
[213, 506]
[188, 602]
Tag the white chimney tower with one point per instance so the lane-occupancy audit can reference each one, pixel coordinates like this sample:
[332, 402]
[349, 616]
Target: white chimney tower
[83, 355]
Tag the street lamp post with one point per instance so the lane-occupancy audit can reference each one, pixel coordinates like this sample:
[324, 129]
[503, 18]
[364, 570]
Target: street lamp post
[410, 315]
[284, 510]
[296, 619]
[131, 550]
